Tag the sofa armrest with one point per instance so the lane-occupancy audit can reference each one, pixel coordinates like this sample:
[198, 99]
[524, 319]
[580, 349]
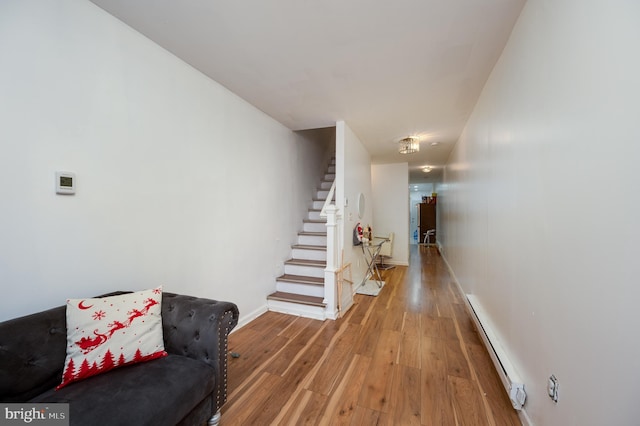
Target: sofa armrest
[32, 353]
[199, 328]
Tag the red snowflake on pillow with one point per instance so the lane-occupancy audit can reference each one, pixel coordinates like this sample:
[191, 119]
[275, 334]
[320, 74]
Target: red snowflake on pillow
[98, 315]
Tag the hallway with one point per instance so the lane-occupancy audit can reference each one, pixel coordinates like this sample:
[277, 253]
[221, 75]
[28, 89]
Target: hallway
[410, 356]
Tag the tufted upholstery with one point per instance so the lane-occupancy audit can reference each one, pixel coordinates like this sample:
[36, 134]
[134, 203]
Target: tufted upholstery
[32, 354]
[198, 328]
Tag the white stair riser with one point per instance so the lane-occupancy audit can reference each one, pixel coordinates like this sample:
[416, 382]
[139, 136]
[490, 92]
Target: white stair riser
[322, 194]
[326, 185]
[318, 204]
[299, 288]
[331, 169]
[330, 177]
[314, 215]
[306, 311]
[314, 227]
[305, 271]
[312, 240]
[306, 254]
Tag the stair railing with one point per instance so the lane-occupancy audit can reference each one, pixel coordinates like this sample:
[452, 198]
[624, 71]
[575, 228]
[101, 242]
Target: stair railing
[327, 201]
[330, 212]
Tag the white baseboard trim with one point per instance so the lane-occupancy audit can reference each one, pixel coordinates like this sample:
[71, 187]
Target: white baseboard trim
[453, 275]
[331, 314]
[246, 319]
[522, 413]
[524, 417]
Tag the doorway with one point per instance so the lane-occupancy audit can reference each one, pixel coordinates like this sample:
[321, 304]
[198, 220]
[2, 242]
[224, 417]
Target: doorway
[416, 192]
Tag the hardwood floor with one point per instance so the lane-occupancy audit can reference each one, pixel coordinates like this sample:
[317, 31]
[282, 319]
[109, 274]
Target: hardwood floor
[410, 356]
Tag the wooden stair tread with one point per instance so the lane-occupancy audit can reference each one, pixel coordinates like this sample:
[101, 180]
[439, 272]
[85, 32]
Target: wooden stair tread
[297, 298]
[314, 234]
[300, 279]
[306, 262]
[309, 247]
[323, 221]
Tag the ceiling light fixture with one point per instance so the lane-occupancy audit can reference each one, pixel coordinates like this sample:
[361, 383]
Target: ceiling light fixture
[426, 169]
[409, 145]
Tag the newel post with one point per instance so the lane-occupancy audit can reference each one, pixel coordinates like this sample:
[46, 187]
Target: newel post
[330, 289]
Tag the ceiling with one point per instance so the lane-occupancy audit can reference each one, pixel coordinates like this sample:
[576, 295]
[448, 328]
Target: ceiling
[389, 69]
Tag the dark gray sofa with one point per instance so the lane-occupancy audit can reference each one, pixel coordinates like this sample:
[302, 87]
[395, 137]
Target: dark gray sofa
[187, 387]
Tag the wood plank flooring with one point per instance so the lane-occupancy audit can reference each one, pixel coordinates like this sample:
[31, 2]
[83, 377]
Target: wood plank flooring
[410, 356]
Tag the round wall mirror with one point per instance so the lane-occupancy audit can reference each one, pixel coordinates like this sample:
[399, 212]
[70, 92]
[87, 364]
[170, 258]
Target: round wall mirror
[360, 205]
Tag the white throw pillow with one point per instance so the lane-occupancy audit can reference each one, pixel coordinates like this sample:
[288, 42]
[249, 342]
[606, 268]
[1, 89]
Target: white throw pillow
[109, 332]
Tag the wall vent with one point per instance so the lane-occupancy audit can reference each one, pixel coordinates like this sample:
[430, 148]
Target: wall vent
[510, 379]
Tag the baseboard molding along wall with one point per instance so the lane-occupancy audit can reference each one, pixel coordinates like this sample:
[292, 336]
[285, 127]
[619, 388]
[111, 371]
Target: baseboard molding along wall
[522, 413]
[246, 319]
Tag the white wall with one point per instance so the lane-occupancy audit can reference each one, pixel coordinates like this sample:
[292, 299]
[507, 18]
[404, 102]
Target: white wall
[390, 193]
[353, 169]
[180, 182]
[540, 207]
[311, 166]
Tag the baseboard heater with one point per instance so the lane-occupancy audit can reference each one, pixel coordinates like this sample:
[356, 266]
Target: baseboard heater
[510, 379]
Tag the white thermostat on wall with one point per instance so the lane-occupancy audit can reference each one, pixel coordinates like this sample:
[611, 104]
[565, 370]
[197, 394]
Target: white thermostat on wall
[65, 183]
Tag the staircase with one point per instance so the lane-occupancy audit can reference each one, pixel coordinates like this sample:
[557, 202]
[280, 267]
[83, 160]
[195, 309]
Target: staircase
[300, 290]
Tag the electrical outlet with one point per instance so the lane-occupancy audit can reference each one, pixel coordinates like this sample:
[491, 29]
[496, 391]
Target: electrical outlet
[552, 388]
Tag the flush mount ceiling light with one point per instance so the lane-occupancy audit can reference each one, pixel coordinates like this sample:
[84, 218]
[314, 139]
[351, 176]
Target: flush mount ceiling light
[426, 169]
[408, 145]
